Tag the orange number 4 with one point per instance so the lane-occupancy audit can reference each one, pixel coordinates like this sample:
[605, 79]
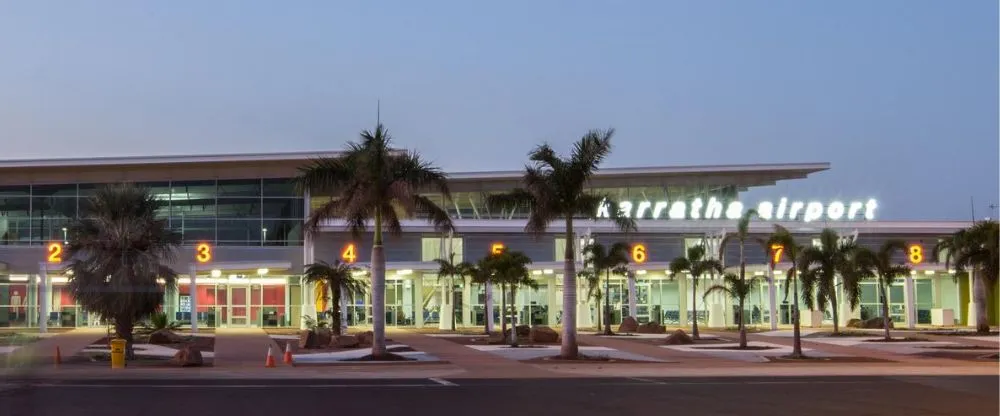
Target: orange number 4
[350, 253]
[55, 253]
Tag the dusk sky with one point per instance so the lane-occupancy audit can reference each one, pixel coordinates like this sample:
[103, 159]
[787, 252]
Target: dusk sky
[900, 96]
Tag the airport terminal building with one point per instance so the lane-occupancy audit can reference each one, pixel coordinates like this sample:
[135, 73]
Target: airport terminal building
[245, 248]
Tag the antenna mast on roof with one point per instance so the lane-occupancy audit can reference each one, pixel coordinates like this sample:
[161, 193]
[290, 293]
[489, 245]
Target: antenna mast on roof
[378, 112]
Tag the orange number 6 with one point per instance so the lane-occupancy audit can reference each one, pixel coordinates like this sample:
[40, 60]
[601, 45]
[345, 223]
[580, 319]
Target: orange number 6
[55, 253]
[916, 254]
[349, 254]
[639, 253]
[203, 253]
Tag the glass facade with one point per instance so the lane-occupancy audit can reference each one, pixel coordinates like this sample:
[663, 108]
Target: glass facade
[245, 212]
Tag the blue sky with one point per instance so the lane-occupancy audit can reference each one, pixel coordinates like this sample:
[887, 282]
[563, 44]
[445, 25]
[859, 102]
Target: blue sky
[899, 95]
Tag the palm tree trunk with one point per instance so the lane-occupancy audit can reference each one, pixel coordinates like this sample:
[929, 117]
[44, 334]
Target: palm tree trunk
[513, 316]
[488, 313]
[378, 290]
[607, 302]
[569, 349]
[335, 319]
[694, 308]
[980, 296]
[503, 310]
[743, 272]
[123, 328]
[833, 303]
[885, 311]
[796, 328]
[451, 297]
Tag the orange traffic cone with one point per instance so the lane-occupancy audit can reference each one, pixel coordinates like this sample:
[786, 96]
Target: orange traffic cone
[269, 362]
[288, 354]
[58, 357]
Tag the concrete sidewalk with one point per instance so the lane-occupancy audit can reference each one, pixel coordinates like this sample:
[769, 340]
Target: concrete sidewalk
[478, 364]
[43, 351]
[244, 348]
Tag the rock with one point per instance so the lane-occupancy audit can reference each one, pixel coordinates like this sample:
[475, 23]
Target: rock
[629, 325]
[522, 331]
[187, 357]
[345, 341]
[542, 333]
[854, 323]
[165, 336]
[307, 339]
[651, 328]
[365, 339]
[678, 337]
[323, 337]
[876, 323]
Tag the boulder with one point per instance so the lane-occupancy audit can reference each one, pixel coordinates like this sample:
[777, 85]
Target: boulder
[165, 336]
[522, 331]
[629, 325]
[187, 357]
[678, 337]
[365, 339]
[854, 323]
[651, 328]
[307, 339]
[542, 333]
[323, 336]
[876, 323]
[345, 341]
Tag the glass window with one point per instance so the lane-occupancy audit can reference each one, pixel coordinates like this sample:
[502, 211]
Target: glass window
[284, 208]
[197, 190]
[88, 189]
[192, 207]
[160, 190]
[194, 230]
[15, 206]
[560, 252]
[283, 232]
[43, 230]
[279, 187]
[240, 230]
[239, 207]
[242, 187]
[15, 230]
[54, 190]
[24, 190]
[53, 207]
[431, 248]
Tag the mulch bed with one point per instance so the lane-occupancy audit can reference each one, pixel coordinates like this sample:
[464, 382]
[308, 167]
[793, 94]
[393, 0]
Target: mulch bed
[843, 334]
[204, 344]
[904, 339]
[811, 360]
[959, 347]
[661, 341]
[737, 348]
[485, 340]
[283, 343]
[387, 357]
[584, 359]
[960, 333]
[961, 355]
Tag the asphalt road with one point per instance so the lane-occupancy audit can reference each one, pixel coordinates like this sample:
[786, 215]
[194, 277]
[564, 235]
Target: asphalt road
[973, 395]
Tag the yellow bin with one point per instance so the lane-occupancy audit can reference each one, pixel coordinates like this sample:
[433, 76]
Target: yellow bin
[118, 353]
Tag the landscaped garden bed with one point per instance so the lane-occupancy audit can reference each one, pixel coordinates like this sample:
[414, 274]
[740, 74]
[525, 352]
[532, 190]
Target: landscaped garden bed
[161, 348]
[826, 359]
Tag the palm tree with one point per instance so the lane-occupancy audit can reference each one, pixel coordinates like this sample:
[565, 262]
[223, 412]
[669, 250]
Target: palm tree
[607, 260]
[448, 268]
[974, 252]
[339, 279]
[371, 181]
[737, 288]
[783, 240]
[482, 274]
[117, 250]
[593, 288]
[818, 269]
[554, 187]
[742, 233]
[511, 271]
[880, 265]
[696, 263]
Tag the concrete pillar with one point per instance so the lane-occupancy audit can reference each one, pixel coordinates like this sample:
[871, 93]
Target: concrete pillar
[682, 299]
[308, 302]
[936, 291]
[466, 301]
[418, 300]
[583, 318]
[43, 299]
[553, 300]
[193, 273]
[344, 303]
[972, 316]
[446, 305]
[772, 299]
[489, 307]
[909, 298]
[632, 309]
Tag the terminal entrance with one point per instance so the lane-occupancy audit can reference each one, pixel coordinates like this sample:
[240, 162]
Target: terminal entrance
[239, 306]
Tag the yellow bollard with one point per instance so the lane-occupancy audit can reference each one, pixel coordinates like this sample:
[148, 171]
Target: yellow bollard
[118, 353]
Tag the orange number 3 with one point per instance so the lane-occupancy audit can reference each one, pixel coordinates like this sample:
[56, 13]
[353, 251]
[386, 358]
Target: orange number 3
[203, 253]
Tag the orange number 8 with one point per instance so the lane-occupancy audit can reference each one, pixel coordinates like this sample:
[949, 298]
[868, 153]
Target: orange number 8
[203, 253]
[639, 253]
[916, 254]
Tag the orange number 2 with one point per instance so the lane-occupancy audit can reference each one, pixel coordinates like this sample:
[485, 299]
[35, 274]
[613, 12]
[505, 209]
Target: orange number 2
[639, 253]
[350, 253]
[55, 252]
[916, 253]
[203, 253]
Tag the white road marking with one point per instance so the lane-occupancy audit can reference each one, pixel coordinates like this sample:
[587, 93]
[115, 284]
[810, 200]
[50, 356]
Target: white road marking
[646, 380]
[442, 382]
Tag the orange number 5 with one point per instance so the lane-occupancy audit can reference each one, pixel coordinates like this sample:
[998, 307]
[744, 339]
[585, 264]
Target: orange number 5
[203, 253]
[639, 253]
[55, 253]
[497, 248]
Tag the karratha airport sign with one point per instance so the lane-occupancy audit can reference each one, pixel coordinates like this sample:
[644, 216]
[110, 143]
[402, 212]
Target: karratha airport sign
[784, 210]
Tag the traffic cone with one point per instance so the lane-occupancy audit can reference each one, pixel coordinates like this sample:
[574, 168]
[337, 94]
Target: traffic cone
[58, 357]
[288, 354]
[269, 362]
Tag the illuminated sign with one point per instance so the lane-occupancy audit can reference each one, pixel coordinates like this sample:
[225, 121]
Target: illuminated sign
[497, 248]
[777, 250]
[915, 253]
[714, 209]
[55, 253]
[350, 253]
[639, 253]
[203, 253]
